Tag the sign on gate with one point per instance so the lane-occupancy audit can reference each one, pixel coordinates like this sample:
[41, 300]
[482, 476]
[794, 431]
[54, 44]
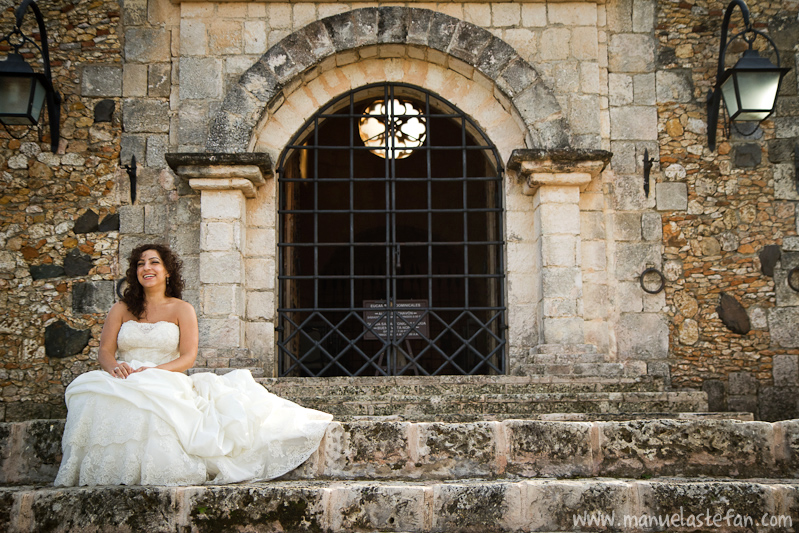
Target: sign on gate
[409, 312]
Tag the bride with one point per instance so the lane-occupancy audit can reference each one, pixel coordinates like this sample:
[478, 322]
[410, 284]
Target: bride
[141, 420]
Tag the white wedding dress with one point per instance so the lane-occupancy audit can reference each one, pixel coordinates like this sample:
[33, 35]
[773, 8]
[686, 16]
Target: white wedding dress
[165, 428]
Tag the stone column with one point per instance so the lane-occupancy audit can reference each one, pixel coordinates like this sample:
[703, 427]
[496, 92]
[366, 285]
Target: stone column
[555, 179]
[225, 182]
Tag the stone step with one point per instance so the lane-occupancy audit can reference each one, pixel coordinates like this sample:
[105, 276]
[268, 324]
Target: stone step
[465, 398]
[484, 506]
[511, 449]
[503, 406]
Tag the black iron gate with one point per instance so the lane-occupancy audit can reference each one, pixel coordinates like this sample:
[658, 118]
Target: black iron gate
[391, 247]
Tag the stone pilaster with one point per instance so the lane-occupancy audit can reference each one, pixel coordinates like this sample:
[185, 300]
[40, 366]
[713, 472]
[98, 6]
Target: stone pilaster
[555, 179]
[225, 182]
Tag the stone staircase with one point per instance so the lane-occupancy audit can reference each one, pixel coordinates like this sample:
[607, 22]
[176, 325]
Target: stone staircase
[570, 442]
[487, 476]
[558, 379]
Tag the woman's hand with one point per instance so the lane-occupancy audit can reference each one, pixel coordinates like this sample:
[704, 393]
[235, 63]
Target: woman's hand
[121, 370]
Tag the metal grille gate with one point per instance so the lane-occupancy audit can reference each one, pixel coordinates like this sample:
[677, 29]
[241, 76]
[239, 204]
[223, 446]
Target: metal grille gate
[390, 266]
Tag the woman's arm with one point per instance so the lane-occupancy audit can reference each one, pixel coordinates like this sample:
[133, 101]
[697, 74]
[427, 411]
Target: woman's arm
[189, 340]
[108, 343]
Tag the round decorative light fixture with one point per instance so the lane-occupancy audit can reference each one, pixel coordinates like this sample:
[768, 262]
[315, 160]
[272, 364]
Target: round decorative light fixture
[397, 127]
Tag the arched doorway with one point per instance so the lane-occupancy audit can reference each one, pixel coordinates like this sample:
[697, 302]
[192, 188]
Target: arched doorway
[391, 254]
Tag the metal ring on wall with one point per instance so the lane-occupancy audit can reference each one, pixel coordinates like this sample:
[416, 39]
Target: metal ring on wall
[793, 272]
[119, 287]
[653, 271]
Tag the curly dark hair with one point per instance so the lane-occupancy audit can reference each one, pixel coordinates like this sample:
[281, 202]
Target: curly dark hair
[133, 296]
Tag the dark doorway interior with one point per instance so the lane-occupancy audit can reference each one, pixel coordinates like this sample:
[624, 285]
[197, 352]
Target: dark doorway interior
[390, 266]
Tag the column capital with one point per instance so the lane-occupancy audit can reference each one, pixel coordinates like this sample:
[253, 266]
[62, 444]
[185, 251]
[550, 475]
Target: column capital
[559, 168]
[220, 171]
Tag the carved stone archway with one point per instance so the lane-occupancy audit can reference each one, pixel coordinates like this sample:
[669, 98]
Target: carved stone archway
[312, 50]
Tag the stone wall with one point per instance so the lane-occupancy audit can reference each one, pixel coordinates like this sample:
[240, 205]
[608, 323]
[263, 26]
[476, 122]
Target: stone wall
[58, 213]
[724, 208]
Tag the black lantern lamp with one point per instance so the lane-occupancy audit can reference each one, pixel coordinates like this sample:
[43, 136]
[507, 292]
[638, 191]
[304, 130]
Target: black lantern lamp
[750, 87]
[23, 92]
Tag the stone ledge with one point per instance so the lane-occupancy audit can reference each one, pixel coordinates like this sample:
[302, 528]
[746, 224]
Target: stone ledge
[420, 507]
[561, 167]
[510, 449]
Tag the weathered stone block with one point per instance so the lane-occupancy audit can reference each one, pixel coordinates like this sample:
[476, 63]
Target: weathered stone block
[642, 336]
[548, 449]
[742, 384]
[593, 255]
[77, 264]
[221, 332]
[46, 272]
[747, 155]
[100, 80]
[92, 297]
[375, 450]
[674, 85]
[785, 182]
[223, 205]
[391, 508]
[223, 300]
[672, 196]
[652, 226]
[147, 45]
[142, 116]
[159, 79]
[633, 123]
[778, 403]
[60, 340]
[200, 78]
[631, 53]
[87, 222]
[551, 505]
[272, 508]
[260, 305]
[484, 507]
[559, 250]
[714, 498]
[633, 258]
[456, 451]
[716, 395]
[221, 267]
[782, 323]
[695, 448]
[131, 219]
[564, 330]
[627, 226]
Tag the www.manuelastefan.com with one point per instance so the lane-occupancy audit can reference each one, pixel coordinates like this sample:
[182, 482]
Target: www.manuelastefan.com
[707, 519]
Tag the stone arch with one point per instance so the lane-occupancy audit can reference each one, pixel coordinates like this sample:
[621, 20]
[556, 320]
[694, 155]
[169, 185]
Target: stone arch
[414, 33]
[505, 129]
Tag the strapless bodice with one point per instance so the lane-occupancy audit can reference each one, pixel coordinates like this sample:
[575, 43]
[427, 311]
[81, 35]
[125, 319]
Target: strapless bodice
[154, 343]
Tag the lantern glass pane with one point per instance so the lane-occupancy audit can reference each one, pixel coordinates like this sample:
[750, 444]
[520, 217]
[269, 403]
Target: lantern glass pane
[757, 92]
[38, 101]
[730, 99]
[15, 96]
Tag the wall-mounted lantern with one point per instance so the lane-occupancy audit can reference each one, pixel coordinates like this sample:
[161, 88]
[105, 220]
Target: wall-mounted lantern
[23, 92]
[750, 87]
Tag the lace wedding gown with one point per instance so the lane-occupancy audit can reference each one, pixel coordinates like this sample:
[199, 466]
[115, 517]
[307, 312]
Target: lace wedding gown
[165, 428]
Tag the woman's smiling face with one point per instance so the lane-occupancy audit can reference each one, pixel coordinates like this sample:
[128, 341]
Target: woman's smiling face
[150, 269]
